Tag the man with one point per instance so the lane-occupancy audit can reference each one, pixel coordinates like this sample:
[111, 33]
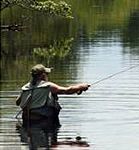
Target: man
[39, 99]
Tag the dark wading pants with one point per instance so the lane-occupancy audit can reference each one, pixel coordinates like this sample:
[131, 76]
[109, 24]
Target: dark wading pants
[41, 129]
[43, 115]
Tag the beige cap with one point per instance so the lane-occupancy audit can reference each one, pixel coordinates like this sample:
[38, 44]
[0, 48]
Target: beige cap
[39, 68]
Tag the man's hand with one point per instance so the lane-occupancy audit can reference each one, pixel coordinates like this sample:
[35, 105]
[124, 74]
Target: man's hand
[83, 87]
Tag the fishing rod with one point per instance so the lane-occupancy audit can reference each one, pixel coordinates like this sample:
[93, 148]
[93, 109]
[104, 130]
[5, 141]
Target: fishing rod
[110, 76]
[98, 81]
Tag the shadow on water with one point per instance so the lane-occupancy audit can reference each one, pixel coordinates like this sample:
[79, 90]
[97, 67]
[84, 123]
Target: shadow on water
[43, 135]
[38, 135]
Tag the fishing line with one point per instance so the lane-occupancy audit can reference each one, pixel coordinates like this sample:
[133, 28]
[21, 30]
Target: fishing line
[112, 75]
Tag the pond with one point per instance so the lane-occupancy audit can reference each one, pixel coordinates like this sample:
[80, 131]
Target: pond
[102, 40]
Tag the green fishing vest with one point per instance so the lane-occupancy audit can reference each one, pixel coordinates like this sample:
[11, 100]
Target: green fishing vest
[37, 96]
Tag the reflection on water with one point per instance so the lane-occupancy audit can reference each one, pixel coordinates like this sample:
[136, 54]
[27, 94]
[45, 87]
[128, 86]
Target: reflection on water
[43, 136]
[106, 41]
[38, 136]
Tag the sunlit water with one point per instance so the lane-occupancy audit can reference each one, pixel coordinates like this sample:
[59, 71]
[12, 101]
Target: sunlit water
[107, 115]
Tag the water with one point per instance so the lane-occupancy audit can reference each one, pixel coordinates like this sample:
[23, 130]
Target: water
[106, 38]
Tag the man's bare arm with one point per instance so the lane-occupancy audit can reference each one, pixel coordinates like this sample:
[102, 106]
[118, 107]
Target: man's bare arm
[56, 89]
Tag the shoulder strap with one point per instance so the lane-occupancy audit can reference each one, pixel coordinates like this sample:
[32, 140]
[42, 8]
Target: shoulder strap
[28, 99]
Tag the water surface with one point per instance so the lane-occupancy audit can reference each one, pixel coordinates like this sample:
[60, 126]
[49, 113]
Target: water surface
[105, 41]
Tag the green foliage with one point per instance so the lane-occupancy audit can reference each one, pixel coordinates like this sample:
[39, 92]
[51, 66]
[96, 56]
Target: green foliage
[60, 49]
[9, 3]
[50, 7]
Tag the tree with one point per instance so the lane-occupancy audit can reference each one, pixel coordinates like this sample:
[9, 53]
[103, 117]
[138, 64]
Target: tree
[49, 7]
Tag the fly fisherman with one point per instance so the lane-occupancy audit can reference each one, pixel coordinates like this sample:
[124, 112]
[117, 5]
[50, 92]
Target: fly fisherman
[39, 100]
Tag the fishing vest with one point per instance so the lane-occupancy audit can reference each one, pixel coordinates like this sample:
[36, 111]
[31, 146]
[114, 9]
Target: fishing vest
[37, 96]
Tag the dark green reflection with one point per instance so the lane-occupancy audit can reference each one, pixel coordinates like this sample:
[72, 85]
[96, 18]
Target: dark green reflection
[131, 34]
[47, 40]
